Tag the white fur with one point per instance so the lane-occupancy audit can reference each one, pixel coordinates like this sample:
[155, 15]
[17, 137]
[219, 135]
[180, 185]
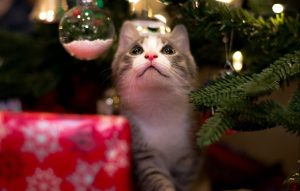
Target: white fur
[151, 44]
[164, 121]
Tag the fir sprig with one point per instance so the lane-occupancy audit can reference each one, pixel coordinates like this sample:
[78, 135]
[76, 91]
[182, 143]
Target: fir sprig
[238, 108]
[213, 129]
[284, 69]
[215, 93]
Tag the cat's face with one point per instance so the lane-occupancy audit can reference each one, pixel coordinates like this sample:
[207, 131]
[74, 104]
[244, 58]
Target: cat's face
[153, 61]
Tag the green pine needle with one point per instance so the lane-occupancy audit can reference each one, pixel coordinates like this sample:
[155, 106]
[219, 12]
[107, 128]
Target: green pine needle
[213, 129]
[235, 99]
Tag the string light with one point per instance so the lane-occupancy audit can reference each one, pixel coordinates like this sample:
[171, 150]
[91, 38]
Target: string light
[277, 8]
[225, 1]
[237, 61]
[48, 11]
[161, 18]
[133, 1]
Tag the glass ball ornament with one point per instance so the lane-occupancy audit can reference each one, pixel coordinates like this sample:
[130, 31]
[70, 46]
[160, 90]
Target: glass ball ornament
[86, 31]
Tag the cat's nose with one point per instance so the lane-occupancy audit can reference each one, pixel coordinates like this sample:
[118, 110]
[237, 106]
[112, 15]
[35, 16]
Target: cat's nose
[150, 56]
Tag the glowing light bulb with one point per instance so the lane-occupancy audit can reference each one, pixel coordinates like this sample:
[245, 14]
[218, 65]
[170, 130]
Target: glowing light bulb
[277, 8]
[50, 16]
[238, 66]
[139, 28]
[168, 29]
[238, 56]
[237, 61]
[42, 16]
[161, 18]
[162, 29]
[48, 11]
[133, 1]
[225, 1]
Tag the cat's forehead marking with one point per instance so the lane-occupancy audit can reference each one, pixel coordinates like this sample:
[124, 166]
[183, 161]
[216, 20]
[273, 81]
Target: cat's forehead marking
[152, 42]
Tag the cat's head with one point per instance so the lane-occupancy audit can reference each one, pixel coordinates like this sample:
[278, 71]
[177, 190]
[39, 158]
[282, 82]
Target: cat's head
[154, 61]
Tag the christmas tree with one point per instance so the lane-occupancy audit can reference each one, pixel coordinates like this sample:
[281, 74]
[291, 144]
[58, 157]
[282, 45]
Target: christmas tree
[270, 42]
[272, 47]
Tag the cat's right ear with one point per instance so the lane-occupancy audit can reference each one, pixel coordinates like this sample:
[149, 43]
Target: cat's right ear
[128, 34]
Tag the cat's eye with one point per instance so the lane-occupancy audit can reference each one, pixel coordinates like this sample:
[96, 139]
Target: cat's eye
[168, 50]
[136, 50]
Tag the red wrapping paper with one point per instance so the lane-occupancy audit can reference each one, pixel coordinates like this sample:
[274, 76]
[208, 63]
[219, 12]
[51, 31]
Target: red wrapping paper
[51, 152]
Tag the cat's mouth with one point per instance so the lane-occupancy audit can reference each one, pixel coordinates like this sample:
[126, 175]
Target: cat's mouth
[152, 68]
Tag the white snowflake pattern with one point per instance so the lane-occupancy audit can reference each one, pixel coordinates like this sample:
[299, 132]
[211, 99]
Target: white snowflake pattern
[41, 138]
[43, 180]
[120, 121]
[84, 175]
[116, 155]
[105, 123]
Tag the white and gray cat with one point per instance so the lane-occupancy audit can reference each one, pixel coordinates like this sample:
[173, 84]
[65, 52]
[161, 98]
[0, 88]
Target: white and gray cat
[153, 75]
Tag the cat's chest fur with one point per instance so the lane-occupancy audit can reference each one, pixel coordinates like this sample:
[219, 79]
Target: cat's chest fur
[164, 123]
[167, 138]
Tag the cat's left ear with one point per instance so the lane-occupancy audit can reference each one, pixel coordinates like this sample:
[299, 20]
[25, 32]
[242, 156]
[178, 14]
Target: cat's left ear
[180, 36]
[128, 35]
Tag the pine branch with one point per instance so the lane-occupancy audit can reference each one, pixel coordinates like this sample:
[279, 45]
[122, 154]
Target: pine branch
[258, 116]
[283, 70]
[242, 115]
[235, 99]
[213, 129]
[293, 114]
[222, 89]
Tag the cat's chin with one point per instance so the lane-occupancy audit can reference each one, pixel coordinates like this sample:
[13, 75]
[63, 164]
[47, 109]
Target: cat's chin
[152, 78]
[151, 72]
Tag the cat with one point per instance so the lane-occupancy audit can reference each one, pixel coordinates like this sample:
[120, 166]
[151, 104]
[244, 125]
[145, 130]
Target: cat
[153, 75]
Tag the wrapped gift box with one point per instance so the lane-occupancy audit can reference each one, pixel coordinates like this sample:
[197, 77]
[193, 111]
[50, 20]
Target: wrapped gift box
[51, 152]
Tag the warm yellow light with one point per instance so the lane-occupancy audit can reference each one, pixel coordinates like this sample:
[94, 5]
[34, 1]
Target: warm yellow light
[237, 56]
[162, 29]
[168, 29]
[144, 31]
[133, 1]
[237, 61]
[139, 28]
[238, 66]
[196, 3]
[50, 16]
[42, 16]
[48, 11]
[150, 13]
[161, 18]
[225, 1]
[277, 8]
